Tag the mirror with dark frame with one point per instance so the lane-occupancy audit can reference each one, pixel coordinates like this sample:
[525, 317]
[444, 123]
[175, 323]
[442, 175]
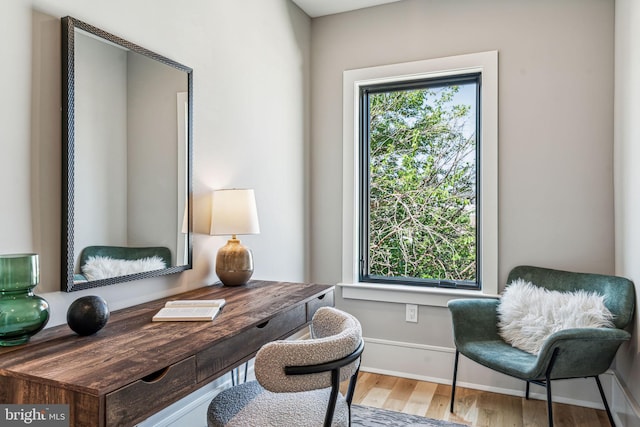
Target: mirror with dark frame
[126, 169]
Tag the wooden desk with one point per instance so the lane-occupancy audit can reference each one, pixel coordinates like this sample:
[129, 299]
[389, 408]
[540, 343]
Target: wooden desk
[133, 367]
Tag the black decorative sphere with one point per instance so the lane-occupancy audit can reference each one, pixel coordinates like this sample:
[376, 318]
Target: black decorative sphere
[87, 315]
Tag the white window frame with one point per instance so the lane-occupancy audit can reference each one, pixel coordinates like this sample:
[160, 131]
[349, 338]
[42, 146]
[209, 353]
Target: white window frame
[487, 64]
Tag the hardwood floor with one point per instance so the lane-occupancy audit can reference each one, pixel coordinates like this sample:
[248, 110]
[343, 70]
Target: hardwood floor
[472, 407]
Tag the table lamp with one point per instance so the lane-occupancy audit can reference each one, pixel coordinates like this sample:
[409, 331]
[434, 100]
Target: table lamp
[234, 212]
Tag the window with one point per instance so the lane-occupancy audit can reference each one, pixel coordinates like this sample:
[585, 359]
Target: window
[380, 173]
[418, 153]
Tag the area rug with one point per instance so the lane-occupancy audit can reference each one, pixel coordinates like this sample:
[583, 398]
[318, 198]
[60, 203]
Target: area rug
[366, 416]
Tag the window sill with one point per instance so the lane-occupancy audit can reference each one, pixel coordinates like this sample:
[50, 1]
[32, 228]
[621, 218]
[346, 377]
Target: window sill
[403, 294]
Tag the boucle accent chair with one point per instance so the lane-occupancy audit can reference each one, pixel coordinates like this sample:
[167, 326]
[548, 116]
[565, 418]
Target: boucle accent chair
[569, 353]
[298, 381]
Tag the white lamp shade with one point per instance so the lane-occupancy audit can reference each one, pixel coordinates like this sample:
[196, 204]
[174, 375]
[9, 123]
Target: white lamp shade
[234, 212]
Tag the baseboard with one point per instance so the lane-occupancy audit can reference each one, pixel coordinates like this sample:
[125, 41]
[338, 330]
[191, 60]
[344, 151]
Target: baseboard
[625, 409]
[435, 364]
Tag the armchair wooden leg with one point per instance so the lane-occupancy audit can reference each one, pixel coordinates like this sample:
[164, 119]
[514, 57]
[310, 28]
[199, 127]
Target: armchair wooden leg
[453, 385]
[526, 394]
[604, 400]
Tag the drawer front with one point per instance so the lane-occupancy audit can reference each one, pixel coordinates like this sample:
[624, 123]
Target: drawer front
[147, 396]
[225, 355]
[325, 300]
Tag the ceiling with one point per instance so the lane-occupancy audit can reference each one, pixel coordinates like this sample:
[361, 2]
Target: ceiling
[315, 8]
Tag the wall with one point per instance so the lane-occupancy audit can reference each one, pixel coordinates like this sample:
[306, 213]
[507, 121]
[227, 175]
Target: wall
[251, 76]
[627, 177]
[555, 150]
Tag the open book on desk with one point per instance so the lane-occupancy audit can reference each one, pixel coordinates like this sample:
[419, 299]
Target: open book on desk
[189, 310]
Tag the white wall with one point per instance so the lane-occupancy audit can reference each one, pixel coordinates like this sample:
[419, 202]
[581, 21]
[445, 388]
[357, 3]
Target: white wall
[555, 147]
[627, 176]
[250, 61]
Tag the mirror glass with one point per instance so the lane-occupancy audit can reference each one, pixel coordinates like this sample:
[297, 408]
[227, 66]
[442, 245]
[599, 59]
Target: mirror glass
[126, 160]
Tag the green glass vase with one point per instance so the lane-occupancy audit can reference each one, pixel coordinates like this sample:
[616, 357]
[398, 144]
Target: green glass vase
[22, 314]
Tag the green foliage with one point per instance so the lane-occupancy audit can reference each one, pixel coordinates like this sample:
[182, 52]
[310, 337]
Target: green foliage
[422, 186]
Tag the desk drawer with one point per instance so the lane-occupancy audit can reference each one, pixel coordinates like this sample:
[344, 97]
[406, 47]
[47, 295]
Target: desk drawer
[147, 396]
[227, 354]
[325, 300]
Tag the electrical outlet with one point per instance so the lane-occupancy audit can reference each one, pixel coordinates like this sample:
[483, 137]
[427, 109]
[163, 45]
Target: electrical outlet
[412, 313]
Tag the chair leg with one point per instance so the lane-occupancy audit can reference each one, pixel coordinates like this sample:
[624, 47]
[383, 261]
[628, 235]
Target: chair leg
[547, 377]
[351, 391]
[333, 397]
[352, 387]
[453, 385]
[526, 394]
[549, 402]
[604, 400]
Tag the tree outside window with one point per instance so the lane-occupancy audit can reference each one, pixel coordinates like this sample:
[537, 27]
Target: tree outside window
[419, 182]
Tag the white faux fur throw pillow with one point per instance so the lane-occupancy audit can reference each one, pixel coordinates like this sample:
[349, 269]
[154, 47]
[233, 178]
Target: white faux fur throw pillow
[528, 314]
[99, 267]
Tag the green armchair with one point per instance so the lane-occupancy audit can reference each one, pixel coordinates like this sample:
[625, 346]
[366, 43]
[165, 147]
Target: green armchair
[569, 353]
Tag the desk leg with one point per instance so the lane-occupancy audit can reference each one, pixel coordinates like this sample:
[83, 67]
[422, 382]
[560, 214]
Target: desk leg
[235, 374]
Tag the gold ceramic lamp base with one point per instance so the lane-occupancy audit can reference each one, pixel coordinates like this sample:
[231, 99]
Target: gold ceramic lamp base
[234, 263]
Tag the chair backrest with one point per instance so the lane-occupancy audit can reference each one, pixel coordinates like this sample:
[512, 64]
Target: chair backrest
[619, 292]
[335, 335]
